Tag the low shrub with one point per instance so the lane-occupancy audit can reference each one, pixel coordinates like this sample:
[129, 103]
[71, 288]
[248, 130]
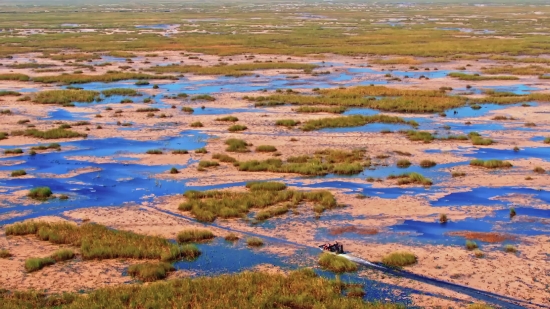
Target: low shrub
[478, 253]
[236, 145]
[201, 150]
[174, 170]
[63, 255]
[180, 151]
[223, 158]
[427, 163]
[13, 151]
[266, 186]
[266, 148]
[510, 249]
[35, 264]
[206, 164]
[471, 245]
[49, 134]
[403, 163]
[4, 254]
[187, 109]
[18, 173]
[196, 124]
[492, 164]
[154, 151]
[399, 259]
[203, 97]
[228, 119]
[194, 235]
[40, 193]
[254, 242]
[149, 272]
[287, 123]
[231, 237]
[458, 174]
[237, 128]
[443, 218]
[336, 263]
[539, 170]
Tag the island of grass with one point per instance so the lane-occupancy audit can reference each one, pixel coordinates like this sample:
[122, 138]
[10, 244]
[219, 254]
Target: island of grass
[208, 205]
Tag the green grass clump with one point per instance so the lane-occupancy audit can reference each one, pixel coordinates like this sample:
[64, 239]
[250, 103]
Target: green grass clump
[492, 164]
[174, 170]
[194, 235]
[336, 263]
[208, 205]
[63, 255]
[13, 151]
[203, 97]
[471, 245]
[321, 109]
[479, 306]
[201, 150]
[403, 163]
[289, 123]
[206, 164]
[55, 146]
[49, 134]
[424, 136]
[180, 151]
[120, 91]
[154, 151]
[427, 163]
[149, 272]
[18, 173]
[65, 96]
[9, 93]
[15, 77]
[266, 186]
[254, 242]
[458, 174]
[35, 264]
[4, 254]
[477, 77]
[196, 124]
[479, 141]
[411, 178]
[266, 148]
[539, 170]
[236, 145]
[353, 121]
[99, 242]
[222, 157]
[399, 259]
[40, 193]
[546, 140]
[187, 109]
[443, 218]
[228, 118]
[271, 212]
[248, 290]
[147, 110]
[237, 128]
[231, 237]
[510, 249]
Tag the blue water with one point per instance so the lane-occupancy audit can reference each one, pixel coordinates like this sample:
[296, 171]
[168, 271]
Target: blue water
[482, 196]
[485, 153]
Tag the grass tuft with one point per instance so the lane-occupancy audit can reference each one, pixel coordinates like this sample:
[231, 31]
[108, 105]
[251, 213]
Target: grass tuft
[40, 193]
[254, 242]
[492, 164]
[35, 264]
[149, 272]
[335, 263]
[194, 235]
[399, 259]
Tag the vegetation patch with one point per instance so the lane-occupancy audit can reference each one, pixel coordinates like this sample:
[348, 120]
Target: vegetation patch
[491, 164]
[399, 259]
[352, 229]
[40, 193]
[208, 205]
[65, 96]
[411, 178]
[266, 148]
[149, 272]
[49, 134]
[321, 109]
[105, 78]
[427, 163]
[223, 158]
[228, 118]
[99, 242]
[477, 77]
[353, 121]
[194, 235]
[54, 146]
[63, 255]
[13, 151]
[35, 264]
[254, 242]
[235, 70]
[237, 128]
[289, 123]
[302, 289]
[121, 92]
[266, 186]
[336, 263]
